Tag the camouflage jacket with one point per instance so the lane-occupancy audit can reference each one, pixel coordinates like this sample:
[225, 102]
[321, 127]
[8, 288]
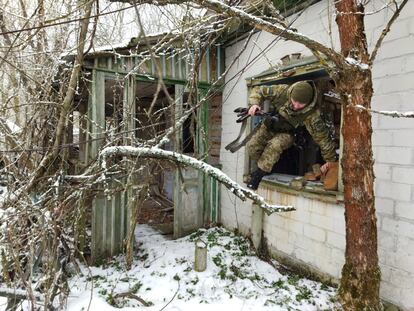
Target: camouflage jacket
[278, 97]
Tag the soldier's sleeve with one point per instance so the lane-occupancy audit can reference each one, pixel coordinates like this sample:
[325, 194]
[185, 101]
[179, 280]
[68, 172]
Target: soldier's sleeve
[260, 93]
[256, 96]
[320, 134]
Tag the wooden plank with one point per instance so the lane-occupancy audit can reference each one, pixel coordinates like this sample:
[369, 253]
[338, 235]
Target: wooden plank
[97, 246]
[208, 67]
[117, 219]
[107, 226]
[178, 217]
[219, 61]
[172, 59]
[97, 112]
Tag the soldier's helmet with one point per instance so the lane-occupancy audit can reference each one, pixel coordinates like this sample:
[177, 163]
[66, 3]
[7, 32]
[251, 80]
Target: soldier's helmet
[302, 92]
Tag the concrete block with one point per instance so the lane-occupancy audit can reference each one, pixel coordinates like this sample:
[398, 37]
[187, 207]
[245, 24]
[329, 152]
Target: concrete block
[406, 229]
[388, 67]
[304, 243]
[386, 240]
[318, 207]
[394, 83]
[402, 280]
[385, 273]
[385, 101]
[338, 256]
[382, 171]
[279, 235]
[407, 103]
[321, 221]
[409, 63]
[382, 138]
[396, 48]
[407, 299]
[336, 240]
[322, 254]
[300, 215]
[389, 225]
[295, 226]
[384, 206]
[333, 270]
[404, 137]
[406, 263]
[390, 292]
[339, 226]
[304, 255]
[392, 190]
[403, 175]
[314, 233]
[278, 221]
[405, 246]
[285, 247]
[394, 155]
[400, 29]
[405, 210]
[385, 122]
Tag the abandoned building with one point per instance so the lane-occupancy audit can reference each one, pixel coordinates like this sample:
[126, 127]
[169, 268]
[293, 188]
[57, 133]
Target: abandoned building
[120, 88]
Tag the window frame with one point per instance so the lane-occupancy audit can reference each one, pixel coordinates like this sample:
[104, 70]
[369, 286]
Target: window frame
[294, 70]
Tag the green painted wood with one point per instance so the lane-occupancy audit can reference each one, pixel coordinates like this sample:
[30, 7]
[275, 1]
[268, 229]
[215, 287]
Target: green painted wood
[97, 243]
[178, 215]
[97, 112]
[167, 80]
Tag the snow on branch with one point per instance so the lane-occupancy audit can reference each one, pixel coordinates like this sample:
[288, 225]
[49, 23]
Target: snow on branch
[393, 114]
[16, 293]
[234, 187]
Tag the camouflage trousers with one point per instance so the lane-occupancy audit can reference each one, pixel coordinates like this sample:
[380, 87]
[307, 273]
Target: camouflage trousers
[266, 147]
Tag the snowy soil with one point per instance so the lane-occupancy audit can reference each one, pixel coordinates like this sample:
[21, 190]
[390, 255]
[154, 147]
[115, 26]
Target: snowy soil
[163, 276]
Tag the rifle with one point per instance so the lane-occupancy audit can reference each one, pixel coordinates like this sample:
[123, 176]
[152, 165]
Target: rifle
[243, 115]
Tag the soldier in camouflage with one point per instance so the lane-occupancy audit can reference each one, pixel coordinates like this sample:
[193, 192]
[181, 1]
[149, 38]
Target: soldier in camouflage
[295, 106]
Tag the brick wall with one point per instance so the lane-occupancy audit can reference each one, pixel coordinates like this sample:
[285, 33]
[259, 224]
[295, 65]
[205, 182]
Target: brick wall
[314, 234]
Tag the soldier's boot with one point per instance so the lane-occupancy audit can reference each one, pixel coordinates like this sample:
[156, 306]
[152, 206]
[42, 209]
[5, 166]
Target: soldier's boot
[255, 179]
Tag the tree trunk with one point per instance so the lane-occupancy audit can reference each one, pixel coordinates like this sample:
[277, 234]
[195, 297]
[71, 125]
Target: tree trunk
[361, 275]
[360, 281]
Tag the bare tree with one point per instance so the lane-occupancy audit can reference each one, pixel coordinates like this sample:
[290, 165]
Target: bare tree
[42, 215]
[351, 71]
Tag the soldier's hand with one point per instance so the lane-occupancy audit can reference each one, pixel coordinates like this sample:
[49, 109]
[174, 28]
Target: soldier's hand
[253, 110]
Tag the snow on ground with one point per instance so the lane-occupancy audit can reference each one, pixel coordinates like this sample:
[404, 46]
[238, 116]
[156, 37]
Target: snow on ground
[162, 275]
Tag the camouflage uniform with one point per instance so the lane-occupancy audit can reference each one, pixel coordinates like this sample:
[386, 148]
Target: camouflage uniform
[267, 145]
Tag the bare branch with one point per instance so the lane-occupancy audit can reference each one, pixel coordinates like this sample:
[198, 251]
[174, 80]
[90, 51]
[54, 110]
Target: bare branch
[257, 22]
[386, 30]
[393, 114]
[157, 153]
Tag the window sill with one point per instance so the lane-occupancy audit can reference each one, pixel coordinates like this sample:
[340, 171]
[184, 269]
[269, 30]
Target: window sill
[311, 190]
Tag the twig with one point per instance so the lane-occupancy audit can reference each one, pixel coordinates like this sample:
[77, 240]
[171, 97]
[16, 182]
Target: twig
[176, 292]
[131, 295]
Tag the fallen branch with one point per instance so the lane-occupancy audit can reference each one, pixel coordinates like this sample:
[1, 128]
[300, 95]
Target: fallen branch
[15, 293]
[131, 295]
[233, 186]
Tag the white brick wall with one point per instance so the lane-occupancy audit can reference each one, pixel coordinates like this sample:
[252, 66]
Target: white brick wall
[314, 234]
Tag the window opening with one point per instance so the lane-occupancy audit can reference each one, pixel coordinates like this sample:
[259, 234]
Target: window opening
[305, 152]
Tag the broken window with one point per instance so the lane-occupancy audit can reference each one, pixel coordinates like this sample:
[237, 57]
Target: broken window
[304, 156]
